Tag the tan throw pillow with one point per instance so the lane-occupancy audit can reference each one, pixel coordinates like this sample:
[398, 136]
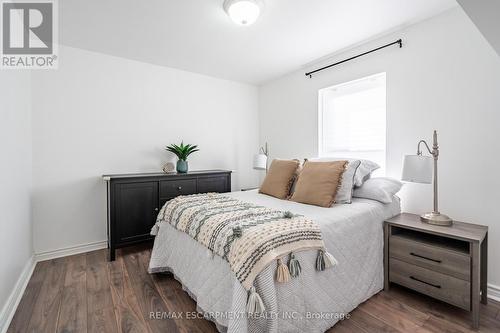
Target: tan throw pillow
[280, 178]
[318, 183]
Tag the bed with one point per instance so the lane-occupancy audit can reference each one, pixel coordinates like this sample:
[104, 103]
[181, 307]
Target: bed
[314, 301]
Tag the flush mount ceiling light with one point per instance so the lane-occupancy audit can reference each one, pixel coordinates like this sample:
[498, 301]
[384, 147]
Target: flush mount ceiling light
[243, 12]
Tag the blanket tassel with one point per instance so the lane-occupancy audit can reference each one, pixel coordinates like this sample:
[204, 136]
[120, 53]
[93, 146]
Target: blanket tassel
[154, 230]
[282, 273]
[325, 260]
[294, 266]
[330, 260]
[255, 304]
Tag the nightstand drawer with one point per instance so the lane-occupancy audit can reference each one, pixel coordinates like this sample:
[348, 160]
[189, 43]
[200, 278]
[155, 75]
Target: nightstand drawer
[443, 287]
[429, 256]
[172, 188]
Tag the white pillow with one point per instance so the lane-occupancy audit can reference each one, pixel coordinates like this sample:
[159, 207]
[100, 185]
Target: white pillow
[381, 189]
[344, 193]
[363, 172]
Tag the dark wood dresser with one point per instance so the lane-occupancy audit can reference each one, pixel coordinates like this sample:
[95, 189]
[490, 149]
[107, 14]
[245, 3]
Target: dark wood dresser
[447, 263]
[133, 200]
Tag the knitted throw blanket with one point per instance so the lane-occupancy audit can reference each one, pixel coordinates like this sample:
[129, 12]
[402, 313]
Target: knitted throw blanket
[248, 236]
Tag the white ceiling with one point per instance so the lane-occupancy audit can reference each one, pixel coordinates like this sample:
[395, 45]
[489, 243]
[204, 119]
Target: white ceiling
[198, 36]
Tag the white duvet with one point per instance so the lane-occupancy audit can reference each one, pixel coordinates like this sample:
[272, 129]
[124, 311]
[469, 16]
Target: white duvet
[314, 301]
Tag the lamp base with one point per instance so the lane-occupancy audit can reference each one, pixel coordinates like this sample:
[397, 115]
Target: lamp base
[436, 219]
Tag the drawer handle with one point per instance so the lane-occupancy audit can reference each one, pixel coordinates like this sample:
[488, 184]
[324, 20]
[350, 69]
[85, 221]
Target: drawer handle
[427, 283]
[426, 258]
[179, 188]
[156, 209]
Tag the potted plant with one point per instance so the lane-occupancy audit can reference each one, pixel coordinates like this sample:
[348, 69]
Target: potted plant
[182, 152]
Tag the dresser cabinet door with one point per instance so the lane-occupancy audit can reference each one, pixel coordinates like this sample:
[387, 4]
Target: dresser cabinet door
[213, 184]
[136, 206]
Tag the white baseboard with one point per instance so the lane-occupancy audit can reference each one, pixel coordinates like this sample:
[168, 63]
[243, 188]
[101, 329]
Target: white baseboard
[17, 293]
[68, 251]
[494, 292]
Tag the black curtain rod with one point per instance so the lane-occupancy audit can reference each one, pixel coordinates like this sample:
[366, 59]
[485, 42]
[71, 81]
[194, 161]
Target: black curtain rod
[399, 41]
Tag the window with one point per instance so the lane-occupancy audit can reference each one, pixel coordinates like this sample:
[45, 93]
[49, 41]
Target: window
[352, 120]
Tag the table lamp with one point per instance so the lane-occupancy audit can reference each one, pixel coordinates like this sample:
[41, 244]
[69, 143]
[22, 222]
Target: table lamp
[260, 160]
[419, 169]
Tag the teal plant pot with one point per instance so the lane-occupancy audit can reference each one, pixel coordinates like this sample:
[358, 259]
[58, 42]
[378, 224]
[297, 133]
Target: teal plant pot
[182, 166]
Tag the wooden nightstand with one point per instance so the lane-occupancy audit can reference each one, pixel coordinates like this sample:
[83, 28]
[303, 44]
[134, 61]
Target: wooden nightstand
[447, 263]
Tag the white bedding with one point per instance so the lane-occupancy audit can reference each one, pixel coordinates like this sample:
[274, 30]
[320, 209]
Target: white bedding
[310, 303]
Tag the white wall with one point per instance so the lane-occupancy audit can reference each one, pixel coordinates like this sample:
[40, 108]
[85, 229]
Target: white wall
[446, 77]
[15, 182]
[100, 114]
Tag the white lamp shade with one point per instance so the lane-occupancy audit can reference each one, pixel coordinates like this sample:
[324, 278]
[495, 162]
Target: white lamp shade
[260, 162]
[417, 169]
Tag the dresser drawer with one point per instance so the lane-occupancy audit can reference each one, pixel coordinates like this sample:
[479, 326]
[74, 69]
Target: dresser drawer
[212, 184]
[172, 188]
[430, 256]
[443, 287]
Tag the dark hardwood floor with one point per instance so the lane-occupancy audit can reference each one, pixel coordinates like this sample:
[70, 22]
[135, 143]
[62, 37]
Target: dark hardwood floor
[85, 293]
